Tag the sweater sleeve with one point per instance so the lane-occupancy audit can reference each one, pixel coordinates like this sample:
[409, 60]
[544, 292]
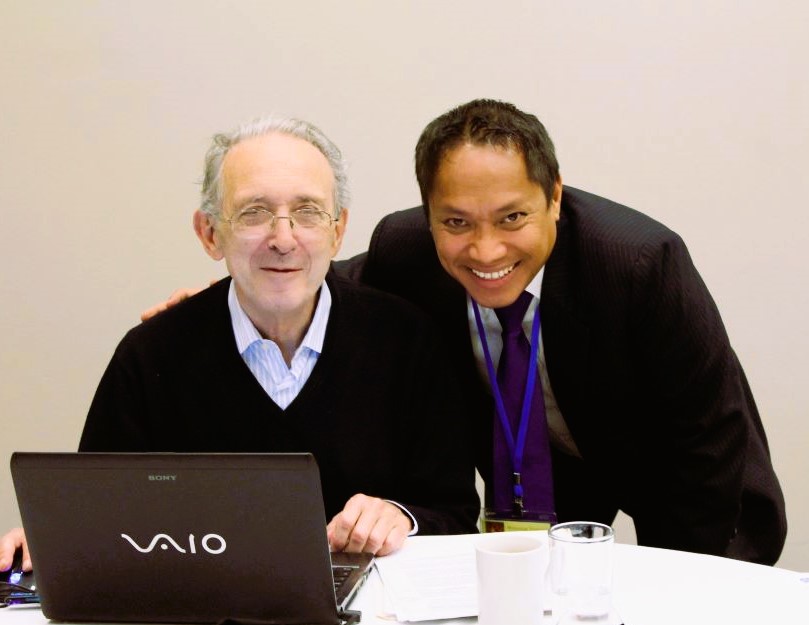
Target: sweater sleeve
[116, 419]
[438, 477]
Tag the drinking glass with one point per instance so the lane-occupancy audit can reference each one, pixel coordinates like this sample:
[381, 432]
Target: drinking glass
[581, 572]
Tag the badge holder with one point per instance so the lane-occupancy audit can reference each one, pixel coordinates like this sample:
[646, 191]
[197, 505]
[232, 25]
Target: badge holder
[502, 521]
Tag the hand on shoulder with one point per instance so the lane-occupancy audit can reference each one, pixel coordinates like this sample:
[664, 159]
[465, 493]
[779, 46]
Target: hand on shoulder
[175, 298]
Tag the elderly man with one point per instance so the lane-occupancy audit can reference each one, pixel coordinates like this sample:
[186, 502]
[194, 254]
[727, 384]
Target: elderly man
[285, 357]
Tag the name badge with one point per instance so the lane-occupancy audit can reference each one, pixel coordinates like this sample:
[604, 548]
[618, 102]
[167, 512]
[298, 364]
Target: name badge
[491, 521]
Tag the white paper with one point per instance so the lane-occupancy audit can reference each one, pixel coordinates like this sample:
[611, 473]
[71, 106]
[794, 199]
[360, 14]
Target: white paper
[434, 579]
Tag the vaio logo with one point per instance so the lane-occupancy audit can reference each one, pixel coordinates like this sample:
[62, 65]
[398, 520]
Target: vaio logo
[164, 540]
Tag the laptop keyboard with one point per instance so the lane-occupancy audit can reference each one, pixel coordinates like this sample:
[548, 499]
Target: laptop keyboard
[340, 574]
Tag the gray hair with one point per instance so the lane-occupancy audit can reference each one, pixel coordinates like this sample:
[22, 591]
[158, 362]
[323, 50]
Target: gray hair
[221, 144]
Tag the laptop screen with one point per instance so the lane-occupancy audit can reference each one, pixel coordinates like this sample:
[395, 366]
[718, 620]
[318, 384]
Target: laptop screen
[176, 537]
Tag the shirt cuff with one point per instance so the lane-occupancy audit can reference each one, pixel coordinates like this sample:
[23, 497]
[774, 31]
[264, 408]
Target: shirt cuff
[415, 529]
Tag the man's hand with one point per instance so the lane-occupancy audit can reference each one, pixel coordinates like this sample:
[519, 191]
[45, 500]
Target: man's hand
[368, 524]
[9, 544]
[175, 298]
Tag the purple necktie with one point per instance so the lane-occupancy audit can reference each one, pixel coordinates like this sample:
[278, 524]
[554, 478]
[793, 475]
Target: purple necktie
[512, 372]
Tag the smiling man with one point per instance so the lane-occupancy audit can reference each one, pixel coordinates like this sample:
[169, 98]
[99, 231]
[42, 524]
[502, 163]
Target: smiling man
[494, 229]
[284, 356]
[603, 376]
[274, 186]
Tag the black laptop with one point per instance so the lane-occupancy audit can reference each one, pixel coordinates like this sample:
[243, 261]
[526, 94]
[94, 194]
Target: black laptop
[182, 538]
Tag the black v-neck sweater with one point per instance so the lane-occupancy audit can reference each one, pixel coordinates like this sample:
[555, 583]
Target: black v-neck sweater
[380, 412]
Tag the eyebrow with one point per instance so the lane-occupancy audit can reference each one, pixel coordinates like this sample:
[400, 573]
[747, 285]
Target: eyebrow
[310, 199]
[502, 210]
[263, 199]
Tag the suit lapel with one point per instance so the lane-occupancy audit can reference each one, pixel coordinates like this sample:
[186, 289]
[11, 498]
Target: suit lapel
[565, 334]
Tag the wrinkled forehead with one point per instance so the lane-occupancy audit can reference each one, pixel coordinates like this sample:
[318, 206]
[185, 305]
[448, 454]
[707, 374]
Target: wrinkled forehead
[278, 168]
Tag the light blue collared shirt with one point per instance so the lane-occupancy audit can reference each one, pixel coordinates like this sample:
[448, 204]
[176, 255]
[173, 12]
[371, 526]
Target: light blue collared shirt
[263, 357]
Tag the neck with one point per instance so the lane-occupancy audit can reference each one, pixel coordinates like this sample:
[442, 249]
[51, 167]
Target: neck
[284, 328]
[286, 333]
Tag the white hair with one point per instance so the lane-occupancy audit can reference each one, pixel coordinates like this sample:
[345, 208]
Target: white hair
[221, 144]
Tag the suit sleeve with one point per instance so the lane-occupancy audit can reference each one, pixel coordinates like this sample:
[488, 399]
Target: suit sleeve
[702, 436]
[351, 268]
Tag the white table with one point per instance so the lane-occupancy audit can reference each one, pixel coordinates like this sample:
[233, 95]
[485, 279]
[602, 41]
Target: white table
[664, 587]
[651, 587]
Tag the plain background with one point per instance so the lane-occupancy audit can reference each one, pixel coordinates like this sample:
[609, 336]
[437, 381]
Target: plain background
[693, 112]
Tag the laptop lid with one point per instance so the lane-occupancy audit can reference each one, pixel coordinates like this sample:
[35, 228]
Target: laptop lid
[176, 537]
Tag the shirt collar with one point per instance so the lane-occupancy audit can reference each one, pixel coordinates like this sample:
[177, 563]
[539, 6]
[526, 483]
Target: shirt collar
[535, 286]
[246, 333]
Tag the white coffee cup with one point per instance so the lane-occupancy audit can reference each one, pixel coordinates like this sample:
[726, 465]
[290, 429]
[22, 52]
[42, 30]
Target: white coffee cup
[510, 571]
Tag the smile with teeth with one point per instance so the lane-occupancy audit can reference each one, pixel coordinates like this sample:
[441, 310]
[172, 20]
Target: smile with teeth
[494, 275]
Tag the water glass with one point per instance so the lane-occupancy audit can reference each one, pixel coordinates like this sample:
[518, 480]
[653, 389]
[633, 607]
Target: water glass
[581, 572]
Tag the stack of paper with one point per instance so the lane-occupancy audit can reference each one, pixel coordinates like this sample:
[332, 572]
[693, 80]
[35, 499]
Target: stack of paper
[433, 578]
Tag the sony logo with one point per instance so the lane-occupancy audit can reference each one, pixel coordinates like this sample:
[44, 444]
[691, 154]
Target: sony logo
[162, 478]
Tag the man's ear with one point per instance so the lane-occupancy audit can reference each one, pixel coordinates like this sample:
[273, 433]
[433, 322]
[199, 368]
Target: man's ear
[556, 199]
[207, 234]
[339, 231]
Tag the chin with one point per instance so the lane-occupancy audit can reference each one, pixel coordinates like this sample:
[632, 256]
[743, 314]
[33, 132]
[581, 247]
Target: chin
[494, 296]
[495, 302]
[489, 299]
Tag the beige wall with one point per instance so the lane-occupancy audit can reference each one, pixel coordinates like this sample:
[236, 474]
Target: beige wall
[694, 112]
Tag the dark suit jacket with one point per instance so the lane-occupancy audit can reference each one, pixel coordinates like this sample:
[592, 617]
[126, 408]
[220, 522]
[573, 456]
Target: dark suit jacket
[643, 372]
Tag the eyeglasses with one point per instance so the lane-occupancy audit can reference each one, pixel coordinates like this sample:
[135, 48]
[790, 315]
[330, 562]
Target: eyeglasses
[258, 221]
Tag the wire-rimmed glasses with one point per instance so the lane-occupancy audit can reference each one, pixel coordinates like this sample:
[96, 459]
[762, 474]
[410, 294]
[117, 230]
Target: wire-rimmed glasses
[256, 221]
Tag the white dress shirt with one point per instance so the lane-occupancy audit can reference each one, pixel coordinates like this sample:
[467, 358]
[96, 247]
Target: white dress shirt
[558, 431]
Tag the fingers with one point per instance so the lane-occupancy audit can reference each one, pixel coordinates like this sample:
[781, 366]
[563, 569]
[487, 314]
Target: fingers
[175, 298]
[368, 524]
[394, 540]
[8, 545]
[154, 310]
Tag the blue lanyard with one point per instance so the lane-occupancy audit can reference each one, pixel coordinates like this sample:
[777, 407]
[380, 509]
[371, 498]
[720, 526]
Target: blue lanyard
[515, 450]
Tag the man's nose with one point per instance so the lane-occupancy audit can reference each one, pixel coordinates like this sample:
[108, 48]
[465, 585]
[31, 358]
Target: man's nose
[486, 247]
[282, 236]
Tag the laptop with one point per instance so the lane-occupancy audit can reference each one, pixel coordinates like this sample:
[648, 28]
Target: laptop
[182, 538]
